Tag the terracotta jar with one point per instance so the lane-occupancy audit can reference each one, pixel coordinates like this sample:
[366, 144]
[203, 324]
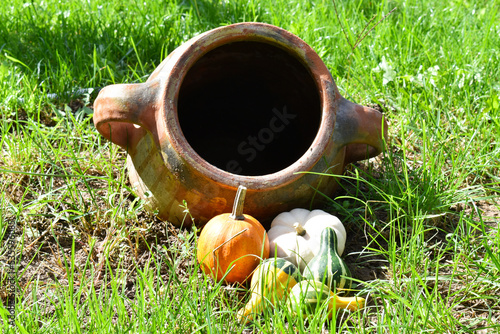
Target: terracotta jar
[246, 104]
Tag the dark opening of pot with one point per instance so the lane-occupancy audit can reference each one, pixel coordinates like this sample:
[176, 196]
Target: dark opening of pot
[249, 108]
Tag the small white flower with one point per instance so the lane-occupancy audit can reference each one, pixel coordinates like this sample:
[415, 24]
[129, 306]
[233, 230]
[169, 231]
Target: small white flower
[389, 73]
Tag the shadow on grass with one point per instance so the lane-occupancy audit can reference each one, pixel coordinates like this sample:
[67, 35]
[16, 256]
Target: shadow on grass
[83, 45]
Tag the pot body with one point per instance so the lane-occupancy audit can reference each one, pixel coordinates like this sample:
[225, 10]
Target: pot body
[246, 104]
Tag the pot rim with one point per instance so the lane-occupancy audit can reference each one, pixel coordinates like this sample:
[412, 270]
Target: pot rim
[197, 47]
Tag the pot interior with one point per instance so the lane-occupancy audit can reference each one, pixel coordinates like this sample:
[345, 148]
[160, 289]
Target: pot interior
[249, 108]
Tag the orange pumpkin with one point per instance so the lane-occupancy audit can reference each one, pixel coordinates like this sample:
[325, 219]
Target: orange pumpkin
[233, 242]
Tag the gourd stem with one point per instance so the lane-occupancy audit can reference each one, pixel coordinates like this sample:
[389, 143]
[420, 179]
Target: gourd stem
[299, 229]
[239, 201]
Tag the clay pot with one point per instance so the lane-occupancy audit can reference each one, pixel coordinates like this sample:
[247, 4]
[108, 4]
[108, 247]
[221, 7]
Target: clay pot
[246, 104]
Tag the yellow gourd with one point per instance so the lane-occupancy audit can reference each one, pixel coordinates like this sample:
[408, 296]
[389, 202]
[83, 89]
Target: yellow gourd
[308, 296]
[271, 282]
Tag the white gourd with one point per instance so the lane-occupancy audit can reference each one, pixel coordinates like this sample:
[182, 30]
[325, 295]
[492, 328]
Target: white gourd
[286, 241]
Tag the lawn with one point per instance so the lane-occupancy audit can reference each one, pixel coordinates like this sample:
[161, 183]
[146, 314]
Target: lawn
[81, 254]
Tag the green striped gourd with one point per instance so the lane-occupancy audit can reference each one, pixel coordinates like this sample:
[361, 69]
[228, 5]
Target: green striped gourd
[271, 282]
[308, 297]
[327, 266]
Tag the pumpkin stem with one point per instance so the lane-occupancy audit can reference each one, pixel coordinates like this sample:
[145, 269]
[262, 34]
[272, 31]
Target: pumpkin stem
[299, 229]
[239, 201]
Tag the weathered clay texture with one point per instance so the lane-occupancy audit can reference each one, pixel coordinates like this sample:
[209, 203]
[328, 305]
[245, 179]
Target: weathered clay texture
[246, 104]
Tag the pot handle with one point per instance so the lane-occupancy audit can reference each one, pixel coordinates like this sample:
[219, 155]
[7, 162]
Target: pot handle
[123, 112]
[362, 130]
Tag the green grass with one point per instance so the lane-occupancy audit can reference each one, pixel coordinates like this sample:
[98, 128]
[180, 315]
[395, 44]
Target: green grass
[422, 219]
